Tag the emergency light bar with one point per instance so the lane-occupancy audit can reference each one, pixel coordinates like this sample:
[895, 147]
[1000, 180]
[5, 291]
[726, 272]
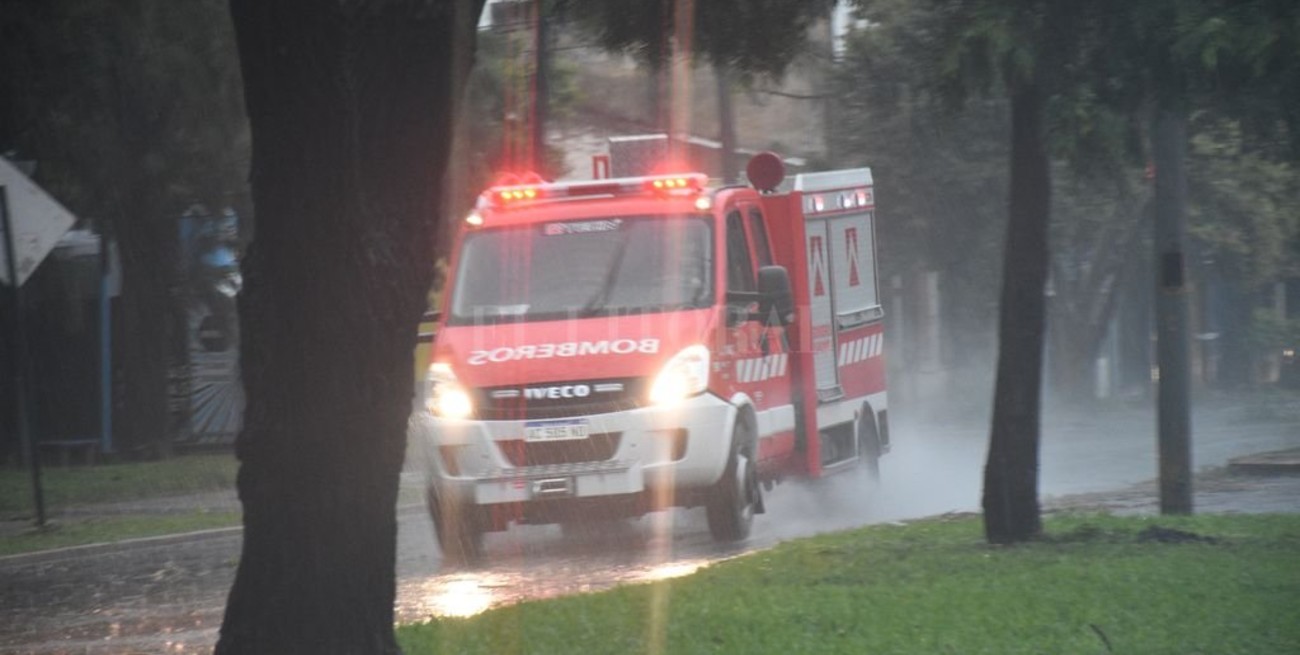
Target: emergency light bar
[687, 185]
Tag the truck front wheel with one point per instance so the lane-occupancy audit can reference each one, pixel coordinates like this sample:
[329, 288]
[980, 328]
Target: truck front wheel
[736, 497]
[460, 536]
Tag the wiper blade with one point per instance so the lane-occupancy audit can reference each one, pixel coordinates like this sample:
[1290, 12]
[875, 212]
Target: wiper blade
[597, 302]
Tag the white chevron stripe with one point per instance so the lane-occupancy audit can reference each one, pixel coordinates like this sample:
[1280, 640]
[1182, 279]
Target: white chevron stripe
[757, 369]
[851, 352]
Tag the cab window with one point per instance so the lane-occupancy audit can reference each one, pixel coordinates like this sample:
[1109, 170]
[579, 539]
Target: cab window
[758, 232]
[740, 269]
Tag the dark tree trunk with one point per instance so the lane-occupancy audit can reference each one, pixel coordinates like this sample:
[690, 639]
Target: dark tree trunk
[351, 108]
[1011, 512]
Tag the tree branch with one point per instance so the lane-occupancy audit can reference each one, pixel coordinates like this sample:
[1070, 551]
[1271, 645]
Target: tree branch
[796, 96]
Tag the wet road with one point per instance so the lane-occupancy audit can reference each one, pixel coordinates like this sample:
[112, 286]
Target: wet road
[157, 597]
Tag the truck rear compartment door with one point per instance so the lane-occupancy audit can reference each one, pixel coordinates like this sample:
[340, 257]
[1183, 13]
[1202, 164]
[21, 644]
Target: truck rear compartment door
[853, 271]
[822, 309]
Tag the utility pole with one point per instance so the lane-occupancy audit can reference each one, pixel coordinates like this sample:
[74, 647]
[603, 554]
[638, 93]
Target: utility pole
[19, 359]
[541, 86]
[1174, 389]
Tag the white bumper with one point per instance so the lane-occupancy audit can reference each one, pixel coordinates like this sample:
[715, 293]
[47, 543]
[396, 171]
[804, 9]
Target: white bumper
[680, 447]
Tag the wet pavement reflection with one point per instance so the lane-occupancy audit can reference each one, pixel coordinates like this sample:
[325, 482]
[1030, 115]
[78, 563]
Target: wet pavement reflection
[534, 562]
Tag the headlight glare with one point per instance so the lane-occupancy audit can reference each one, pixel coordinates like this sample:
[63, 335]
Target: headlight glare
[685, 375]
[446, 397]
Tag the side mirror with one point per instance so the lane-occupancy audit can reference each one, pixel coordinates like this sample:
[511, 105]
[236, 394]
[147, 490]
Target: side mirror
[775, 294]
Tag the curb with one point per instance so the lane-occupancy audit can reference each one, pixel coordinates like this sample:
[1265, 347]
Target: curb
[86, 549]
[54, 554]
[1270, 463]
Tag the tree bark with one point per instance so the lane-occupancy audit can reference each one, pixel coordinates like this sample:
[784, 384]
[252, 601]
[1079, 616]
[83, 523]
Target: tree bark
[1011, 512]
[351, 107]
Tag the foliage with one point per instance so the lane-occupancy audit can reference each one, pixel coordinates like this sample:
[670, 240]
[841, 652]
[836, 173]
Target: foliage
[132, 111]
[498, 93]
[1243, 204]
[939, 172]
[1270, 333]
[758, 37]
[932, 587]
[103, 94]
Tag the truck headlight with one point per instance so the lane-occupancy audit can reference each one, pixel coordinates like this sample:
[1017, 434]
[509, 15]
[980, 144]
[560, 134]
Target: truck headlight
[446, 397]
[685, 375]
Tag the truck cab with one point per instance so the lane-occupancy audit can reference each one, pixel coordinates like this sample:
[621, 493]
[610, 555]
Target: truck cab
[619, 346]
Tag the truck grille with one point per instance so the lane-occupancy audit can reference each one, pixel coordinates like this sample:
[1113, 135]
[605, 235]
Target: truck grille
[595, 448]
[559, 399]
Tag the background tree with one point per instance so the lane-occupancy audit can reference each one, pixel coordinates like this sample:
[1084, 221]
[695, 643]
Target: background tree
[941, 175]
[1032, 51]
[1173, 57]
[351, 107]
[1242, 196]
[741, 39]
[131, 111]
[1130, 58]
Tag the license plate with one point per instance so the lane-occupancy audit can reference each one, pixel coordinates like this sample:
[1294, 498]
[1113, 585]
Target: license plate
[577, 428]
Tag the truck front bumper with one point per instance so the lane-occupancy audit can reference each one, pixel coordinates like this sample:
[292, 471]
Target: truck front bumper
[681, 447]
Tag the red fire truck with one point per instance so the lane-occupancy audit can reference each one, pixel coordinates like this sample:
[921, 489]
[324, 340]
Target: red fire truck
[618, 346]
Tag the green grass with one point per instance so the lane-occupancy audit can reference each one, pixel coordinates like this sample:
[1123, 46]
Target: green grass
[83, 485]
[936, 587]
[59, 534]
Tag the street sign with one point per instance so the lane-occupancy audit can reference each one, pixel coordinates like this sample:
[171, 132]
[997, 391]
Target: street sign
[38, 222]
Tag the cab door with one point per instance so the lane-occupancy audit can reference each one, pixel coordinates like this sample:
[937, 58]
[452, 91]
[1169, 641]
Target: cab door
[761, 365]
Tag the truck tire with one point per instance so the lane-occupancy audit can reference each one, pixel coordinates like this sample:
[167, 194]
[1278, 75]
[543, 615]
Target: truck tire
[460, 537]
[736, 497]
[869, 445]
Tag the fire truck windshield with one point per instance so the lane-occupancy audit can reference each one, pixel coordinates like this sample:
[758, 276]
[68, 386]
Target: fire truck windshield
[590, 267]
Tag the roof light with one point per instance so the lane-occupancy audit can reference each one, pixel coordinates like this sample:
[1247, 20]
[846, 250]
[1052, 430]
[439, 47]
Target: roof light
[515, 194]
[475, 219]
[686, 185]
[704, 203]
[675, 183]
